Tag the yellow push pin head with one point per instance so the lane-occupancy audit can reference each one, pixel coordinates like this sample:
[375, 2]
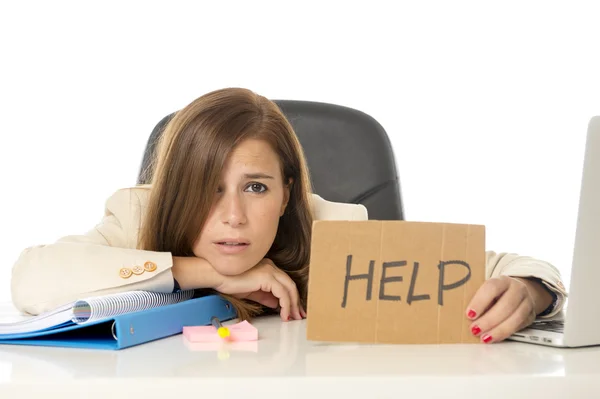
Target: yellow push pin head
[223, 332]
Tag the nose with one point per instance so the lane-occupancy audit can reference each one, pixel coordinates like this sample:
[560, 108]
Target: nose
[233, 211]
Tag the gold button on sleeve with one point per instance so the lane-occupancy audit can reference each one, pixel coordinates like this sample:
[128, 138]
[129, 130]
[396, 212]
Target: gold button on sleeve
[125, 272]
[150, 266]
[137, 270]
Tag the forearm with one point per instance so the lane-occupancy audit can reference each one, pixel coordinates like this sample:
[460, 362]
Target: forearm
[192, 272]
[541, 297]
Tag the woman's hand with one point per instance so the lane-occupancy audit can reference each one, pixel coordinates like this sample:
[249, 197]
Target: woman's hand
[504, 305]
[268, 285]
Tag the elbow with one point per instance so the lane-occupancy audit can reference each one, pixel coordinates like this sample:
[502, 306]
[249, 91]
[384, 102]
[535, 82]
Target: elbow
[25, 280]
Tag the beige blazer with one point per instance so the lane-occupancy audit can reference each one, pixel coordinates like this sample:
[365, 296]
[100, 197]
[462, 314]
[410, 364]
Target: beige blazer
[104, 260]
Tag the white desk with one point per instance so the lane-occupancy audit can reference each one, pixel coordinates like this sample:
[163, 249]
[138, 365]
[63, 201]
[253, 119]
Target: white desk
[282, 363]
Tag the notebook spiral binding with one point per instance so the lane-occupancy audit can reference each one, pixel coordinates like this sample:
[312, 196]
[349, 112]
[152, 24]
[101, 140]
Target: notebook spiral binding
[97, 308]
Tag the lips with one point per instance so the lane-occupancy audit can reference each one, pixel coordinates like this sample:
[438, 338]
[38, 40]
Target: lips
[231, 246]
[227, 241]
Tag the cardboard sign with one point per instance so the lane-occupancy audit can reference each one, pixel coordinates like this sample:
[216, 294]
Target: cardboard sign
[393, 281]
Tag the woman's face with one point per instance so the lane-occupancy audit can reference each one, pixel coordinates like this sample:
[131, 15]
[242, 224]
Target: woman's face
[243, 220]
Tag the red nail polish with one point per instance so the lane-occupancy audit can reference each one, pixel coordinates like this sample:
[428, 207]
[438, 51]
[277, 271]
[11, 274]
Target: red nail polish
[487, 338]
[475, 330]
[471, 314]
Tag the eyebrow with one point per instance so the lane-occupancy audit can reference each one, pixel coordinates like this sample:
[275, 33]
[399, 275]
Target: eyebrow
[257, 176]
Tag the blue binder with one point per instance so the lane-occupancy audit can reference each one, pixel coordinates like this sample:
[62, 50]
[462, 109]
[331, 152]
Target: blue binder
[129, 329]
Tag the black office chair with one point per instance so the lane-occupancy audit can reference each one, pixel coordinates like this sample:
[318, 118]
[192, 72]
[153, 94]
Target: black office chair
[349, 156]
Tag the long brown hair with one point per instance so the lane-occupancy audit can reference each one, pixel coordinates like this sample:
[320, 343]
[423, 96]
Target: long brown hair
[190, 156]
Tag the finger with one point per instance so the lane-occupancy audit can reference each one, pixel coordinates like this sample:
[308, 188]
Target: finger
[302, 312]
[485, 296]
[282, 294]
[264, 298]
[504, 307]
[513, 323]
[289, 284]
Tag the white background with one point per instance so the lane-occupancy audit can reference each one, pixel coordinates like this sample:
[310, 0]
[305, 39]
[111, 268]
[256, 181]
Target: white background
[486, 103]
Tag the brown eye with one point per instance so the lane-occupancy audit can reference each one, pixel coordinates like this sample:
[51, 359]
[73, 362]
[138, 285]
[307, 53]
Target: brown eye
[257, 188]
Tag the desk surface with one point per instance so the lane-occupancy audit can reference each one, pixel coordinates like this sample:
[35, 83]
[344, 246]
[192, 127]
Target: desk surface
[284, 362]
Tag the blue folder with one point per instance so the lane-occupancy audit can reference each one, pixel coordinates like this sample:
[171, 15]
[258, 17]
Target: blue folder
[129, 329]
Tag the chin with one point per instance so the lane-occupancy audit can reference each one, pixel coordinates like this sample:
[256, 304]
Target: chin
[226, 268]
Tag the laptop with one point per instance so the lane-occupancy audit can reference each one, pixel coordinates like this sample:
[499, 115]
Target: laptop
[579, 324]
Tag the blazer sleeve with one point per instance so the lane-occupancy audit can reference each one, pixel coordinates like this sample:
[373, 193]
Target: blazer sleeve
[101, 261]
[513, 265]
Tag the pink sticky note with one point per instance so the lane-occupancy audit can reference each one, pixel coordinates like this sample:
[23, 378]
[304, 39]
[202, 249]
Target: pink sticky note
[224, 345]
[242, 331]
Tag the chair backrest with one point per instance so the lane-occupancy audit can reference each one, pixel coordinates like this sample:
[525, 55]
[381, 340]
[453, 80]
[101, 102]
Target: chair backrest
[349, 155]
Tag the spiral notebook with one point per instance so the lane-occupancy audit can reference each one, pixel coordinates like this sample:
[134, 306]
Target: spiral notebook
[116, 321]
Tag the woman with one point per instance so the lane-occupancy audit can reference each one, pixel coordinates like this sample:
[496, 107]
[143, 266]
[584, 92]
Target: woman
[230, 209]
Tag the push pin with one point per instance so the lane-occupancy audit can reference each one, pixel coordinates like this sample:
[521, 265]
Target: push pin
[222, 331]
